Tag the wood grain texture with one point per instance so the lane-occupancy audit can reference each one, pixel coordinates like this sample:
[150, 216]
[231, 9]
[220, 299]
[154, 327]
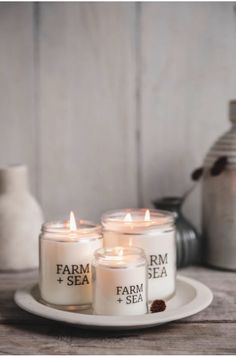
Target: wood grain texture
[210, 332]
[167, 339]
[17, 102]
[188, 55]
[72, 76]
[223, 307]
[87, 101]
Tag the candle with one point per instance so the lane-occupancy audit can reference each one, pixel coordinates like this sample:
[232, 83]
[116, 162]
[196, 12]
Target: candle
[66, 252]
[120, 281]
[154, 231]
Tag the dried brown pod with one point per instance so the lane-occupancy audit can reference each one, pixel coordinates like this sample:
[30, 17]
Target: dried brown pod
[219, 166]
[158, 306]
[197, 173]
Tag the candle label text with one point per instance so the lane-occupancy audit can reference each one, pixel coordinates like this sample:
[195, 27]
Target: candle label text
[157, 266]
[73, 275]
[130, 294]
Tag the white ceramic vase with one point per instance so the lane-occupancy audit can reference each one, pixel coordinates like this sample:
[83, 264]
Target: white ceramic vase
[20, 221]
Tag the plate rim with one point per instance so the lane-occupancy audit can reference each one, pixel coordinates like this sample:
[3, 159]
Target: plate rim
[203, 298]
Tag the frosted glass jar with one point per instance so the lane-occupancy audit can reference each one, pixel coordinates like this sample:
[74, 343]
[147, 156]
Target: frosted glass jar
[120, 281]
[155, 236]
[65, 263]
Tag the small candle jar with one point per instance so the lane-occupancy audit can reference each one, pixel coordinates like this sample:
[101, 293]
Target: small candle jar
[154, 232]
[119, 281]
[65, 263]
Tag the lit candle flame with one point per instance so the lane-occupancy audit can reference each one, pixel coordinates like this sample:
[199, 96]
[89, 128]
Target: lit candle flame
[128, 218]
[73, 226]
[147, 216]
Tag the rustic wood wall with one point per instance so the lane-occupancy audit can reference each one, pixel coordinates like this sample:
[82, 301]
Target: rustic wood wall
[113, 104]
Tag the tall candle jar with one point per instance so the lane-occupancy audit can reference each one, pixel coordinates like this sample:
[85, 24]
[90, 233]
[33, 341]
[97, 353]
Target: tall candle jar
[154, 232]
[65, 263]
[120, 281]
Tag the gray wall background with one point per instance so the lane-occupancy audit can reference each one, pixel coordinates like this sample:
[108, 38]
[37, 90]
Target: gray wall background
[113, 104]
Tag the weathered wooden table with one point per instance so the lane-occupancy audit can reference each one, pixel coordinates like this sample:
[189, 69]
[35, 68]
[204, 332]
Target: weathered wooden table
[213, 331]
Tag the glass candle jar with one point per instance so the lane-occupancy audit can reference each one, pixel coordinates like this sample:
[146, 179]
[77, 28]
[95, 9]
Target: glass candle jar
[119, 281]
[154, 232]
[65, 263]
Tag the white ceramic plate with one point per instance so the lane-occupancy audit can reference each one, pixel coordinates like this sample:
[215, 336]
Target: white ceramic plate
[190, 298]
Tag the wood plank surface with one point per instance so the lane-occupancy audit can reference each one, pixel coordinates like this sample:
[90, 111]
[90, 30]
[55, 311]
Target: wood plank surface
[113, 105]
[188, 55]
[174, 338]
[87, 101]
[211, 331]
[18, 136]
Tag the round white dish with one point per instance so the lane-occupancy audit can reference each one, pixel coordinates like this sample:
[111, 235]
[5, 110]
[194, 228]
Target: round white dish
[190, 298]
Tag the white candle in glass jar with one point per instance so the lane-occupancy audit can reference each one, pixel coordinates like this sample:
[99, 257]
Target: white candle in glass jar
[154, 232]
[66, 253]
[120, 281]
